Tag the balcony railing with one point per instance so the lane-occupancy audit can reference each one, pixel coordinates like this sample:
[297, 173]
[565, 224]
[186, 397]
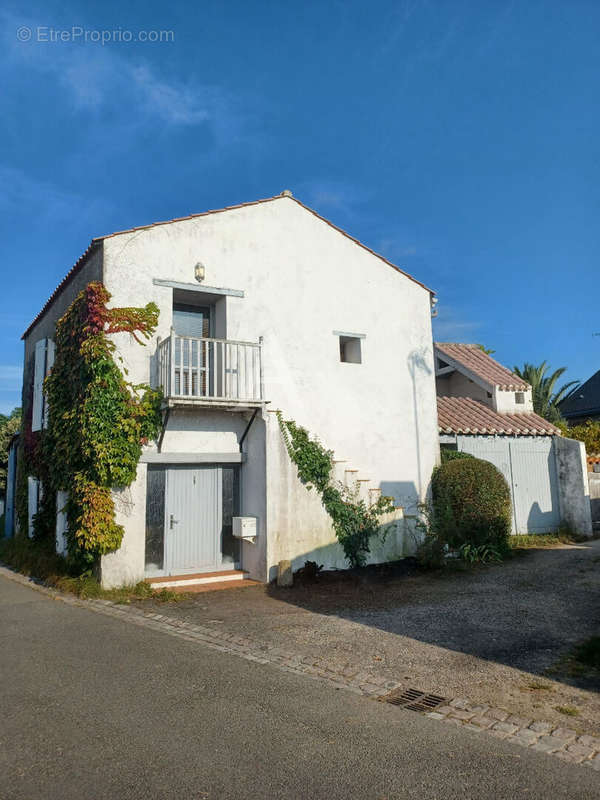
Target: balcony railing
[204, 369]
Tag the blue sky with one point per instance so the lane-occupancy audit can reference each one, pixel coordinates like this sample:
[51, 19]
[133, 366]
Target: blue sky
[459, 139]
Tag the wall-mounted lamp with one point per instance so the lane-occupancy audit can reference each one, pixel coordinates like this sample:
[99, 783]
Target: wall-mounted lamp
[199, 272]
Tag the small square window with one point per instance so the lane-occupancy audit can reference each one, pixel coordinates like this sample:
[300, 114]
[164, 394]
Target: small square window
[520, 398]
[350, 351]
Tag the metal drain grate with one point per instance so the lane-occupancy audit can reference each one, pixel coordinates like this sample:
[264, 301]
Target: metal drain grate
[414, 700]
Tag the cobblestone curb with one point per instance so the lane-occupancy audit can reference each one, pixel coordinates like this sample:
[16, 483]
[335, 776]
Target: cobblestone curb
[564, 743]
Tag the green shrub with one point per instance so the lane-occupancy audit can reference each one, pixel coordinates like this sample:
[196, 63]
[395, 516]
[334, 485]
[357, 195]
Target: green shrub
[431, 552]
[471, 504]
[452, 455]
[479, 554]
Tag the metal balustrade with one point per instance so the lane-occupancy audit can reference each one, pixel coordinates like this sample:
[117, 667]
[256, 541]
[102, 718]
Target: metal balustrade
[209, 369]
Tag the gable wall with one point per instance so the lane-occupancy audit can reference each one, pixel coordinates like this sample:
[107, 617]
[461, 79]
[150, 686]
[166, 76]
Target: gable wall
[302, 280]
[455, 384]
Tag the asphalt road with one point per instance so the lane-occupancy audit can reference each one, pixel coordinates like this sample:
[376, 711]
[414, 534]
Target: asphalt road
[93, 707]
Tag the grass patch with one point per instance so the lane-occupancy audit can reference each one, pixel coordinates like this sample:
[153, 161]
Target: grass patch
[527, 541]
[39, 560]
[35, 559]
[569, 711]
[539, 686]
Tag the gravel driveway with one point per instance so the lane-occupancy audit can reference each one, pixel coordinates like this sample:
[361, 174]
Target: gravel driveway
[488, 633]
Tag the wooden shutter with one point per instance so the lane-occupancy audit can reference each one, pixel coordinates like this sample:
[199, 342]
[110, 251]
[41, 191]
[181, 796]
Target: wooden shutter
[50, 349]
[61, 522]
[39, 373]
[32, 502]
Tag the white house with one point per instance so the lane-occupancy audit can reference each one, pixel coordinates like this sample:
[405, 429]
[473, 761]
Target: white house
[263, 306]
[486, 410]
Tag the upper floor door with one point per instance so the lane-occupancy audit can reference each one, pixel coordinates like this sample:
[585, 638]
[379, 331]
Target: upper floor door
[191, 321]
[190, 324]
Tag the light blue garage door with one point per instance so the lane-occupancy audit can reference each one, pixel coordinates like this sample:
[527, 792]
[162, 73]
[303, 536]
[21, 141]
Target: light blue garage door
[528, 464]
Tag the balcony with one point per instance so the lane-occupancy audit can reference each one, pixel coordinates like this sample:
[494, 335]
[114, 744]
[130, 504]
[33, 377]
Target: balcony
[218, 373]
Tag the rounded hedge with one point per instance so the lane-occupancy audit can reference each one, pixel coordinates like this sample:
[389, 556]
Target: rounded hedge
[471, 503]
[452, 455]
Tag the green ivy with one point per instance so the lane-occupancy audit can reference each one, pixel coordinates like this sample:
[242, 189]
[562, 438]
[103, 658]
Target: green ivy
[354, 522]
[30, 461]
[98, 422]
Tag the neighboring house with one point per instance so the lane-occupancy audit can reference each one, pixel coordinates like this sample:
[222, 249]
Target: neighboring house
[583, 403]
[263, 306]
[486, 410]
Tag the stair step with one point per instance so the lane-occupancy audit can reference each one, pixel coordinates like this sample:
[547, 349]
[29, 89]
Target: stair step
[338, 470]
[363, 488]
[350, 477]
[197, 579]
[197, 588]
[374, 495]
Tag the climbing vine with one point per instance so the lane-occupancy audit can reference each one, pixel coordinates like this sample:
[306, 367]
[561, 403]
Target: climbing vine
[97, 423]
[354, 522]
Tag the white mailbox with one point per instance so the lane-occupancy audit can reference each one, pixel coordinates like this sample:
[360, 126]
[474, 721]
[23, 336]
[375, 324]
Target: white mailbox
[244, 527]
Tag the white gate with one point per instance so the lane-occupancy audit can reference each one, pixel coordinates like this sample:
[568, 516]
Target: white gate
[529, 466]
[535, 485]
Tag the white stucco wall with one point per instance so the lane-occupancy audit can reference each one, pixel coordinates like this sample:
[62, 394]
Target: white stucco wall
[506, 402]
[126, 565]
[207, 432]
[299, 527]
[302, 280]
[455, 384]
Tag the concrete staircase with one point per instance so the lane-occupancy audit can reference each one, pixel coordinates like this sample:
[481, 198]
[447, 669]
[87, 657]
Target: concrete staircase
[353, 480]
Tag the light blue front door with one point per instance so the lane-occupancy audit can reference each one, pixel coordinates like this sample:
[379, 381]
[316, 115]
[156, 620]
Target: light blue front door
[193, 519]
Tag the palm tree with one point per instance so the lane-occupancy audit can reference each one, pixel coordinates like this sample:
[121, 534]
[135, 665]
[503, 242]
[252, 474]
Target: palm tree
[546, 398]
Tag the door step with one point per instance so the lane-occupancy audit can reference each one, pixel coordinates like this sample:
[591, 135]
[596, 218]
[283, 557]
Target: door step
[190, 581]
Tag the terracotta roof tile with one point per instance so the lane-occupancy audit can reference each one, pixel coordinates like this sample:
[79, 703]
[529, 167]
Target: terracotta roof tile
[99, 239]
[476, 361]
[468, 416]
